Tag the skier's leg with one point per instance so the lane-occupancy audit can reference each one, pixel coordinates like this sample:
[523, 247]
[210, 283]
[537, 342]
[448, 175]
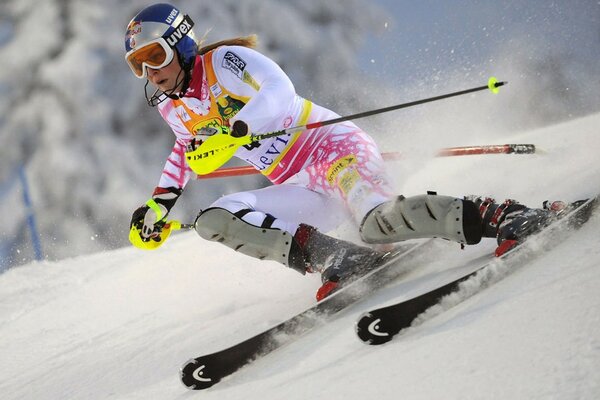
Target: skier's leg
[462, 220]
[423, 216]
[240, 222]
[352, 169]
[262, 242]
[289, 205]
[348, 166]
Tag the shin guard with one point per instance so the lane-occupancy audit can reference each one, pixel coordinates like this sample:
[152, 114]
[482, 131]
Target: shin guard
[220, 225]
[423, 216]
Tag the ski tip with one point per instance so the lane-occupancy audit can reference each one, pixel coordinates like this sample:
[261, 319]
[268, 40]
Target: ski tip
[194, 377]
[369, 330]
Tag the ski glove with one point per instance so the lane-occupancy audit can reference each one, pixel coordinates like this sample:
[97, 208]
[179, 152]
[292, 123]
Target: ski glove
[150, 218]
[239, 129]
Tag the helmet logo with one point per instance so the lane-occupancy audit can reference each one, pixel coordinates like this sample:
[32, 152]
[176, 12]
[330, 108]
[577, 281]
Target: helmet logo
[172, 16]
[134, 28]
[182, 29]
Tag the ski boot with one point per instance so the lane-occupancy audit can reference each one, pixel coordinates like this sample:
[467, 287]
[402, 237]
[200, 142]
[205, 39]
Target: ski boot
[511, 222]
[338, 261]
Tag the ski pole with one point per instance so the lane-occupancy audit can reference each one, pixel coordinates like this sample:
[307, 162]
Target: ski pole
[216, 150]
[446, 152]
[489, 149]
[492, 85]
[176, 225]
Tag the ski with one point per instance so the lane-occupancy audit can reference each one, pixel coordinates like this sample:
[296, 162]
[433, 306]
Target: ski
[207, 370]
[379, 326]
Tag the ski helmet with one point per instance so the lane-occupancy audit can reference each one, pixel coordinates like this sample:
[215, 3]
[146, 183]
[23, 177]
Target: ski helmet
[165, 25]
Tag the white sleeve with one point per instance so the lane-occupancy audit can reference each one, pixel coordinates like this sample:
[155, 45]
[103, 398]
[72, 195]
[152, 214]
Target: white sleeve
[176, 172]
[248, 73]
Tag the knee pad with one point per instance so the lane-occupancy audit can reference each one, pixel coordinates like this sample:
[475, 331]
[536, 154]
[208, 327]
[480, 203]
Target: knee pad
[423, 216]
[220, 225]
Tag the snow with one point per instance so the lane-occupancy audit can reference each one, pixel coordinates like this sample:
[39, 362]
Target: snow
[114, 322]
[118, 324]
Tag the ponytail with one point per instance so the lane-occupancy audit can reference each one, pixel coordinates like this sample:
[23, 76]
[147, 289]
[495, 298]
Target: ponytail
[246, 41]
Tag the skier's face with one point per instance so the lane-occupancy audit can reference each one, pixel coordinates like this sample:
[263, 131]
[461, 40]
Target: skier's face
[167, 77]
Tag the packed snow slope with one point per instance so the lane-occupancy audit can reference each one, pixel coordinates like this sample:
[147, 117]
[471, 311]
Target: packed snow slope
[119, 324]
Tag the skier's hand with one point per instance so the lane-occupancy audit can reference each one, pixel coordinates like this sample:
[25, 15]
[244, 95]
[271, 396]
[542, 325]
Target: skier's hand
[239, 129]
[148, 221]
[150, 218]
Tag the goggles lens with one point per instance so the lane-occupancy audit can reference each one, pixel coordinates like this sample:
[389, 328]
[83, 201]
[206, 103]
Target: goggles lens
[155, 54]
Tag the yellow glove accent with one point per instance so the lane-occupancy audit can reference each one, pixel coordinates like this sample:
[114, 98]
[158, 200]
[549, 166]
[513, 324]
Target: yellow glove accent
[136, 239]
[154, 207]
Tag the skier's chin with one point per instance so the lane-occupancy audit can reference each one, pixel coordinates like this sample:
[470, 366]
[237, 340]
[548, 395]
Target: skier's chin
[167, 86]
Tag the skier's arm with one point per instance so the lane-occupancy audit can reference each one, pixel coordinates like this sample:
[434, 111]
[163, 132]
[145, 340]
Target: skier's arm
[149, 217]
[248, 73]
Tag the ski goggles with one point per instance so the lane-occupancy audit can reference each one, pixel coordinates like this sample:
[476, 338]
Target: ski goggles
[155, 54]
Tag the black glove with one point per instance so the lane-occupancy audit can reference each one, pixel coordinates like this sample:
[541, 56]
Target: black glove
[239, 129]
[150, 218]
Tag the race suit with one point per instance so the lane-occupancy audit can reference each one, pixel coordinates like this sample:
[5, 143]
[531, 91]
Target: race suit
[315, 172]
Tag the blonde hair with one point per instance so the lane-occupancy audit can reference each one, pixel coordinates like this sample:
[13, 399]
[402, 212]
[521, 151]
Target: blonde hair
[246, 41]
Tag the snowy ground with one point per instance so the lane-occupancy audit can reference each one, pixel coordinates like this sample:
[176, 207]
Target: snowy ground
[119, 324]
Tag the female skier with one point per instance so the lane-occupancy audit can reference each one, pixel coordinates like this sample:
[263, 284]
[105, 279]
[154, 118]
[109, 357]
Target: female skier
[225, 91]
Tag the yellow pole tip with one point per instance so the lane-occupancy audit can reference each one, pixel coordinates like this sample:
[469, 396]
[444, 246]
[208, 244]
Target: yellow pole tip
[492, 85]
